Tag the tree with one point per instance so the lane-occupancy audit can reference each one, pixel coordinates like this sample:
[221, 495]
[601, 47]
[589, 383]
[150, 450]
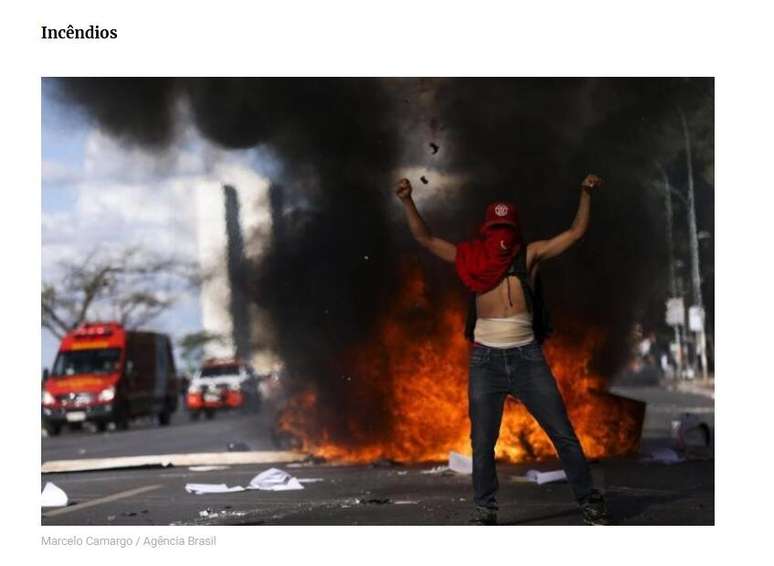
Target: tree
[192, 347]
[132, 285]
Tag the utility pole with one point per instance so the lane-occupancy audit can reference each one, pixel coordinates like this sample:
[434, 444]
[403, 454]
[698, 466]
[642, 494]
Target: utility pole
[671, 258]
[693, 241]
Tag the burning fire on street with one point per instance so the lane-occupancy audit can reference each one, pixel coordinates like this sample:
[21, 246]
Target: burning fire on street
[416, 367]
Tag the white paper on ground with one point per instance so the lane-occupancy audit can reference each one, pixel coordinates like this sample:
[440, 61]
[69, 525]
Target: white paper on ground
[274, 479]
[460, 464]
[201, 488]
[53, 496]
[546, 477]
[207, 468]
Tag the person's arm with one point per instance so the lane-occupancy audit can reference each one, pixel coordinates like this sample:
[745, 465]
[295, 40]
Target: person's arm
[546, 249]
[443, 249]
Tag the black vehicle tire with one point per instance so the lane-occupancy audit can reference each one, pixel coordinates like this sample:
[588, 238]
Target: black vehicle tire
[122, 418]
[210, 414]
[121, 411]
[101, 426]
[194, 415]
[53, 429]
[75, 426]
[165, 417]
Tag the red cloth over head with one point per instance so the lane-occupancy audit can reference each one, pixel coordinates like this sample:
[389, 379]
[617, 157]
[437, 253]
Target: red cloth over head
[482, 262]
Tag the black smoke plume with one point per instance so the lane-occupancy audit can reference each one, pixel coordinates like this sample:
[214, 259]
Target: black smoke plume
[334, 263]
[532, 141]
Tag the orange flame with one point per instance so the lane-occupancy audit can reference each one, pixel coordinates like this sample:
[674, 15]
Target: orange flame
[420, 363]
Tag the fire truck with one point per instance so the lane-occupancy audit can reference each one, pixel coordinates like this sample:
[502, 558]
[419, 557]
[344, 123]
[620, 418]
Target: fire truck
[104, 373]
[222, 384]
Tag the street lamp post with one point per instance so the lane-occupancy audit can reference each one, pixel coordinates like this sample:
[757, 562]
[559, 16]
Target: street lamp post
[693, 241]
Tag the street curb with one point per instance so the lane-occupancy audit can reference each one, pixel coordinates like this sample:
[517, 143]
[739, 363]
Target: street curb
[165, 460]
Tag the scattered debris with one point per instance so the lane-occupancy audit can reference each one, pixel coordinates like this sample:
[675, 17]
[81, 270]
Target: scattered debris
[207, 468]
[384, 463]
[405, 502]
[129, 514]
[402, 473]
[435, 147]
[310, 460]
[238, 447]
[310, 480]
[203, 488]
[81, 451]
[210, 513]
[540, 478]
[424, 179]
[436, 470]
[664, 456]
[274, 479]
[460, 464]
[53, 496]
[111, 518]
[374, 501]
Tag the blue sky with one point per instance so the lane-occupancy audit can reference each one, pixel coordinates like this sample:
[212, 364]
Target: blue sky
[96, 192]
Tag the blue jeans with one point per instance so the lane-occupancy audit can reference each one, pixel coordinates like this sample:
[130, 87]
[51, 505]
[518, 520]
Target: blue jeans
[522, 372]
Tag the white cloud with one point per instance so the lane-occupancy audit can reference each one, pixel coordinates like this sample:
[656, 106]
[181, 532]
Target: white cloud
[162, 201]
[59, 172]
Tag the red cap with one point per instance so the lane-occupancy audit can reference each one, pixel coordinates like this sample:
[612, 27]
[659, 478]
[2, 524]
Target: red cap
[501, 213]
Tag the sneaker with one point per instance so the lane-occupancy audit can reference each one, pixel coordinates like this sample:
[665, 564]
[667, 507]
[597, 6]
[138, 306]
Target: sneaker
[594, 510]
[484, 516]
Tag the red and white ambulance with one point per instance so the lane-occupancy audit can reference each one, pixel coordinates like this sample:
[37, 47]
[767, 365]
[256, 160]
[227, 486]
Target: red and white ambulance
[222, 384]
[104, 373]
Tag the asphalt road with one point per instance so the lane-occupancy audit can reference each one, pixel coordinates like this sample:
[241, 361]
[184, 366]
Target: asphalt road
[145, 437]
[638, 491]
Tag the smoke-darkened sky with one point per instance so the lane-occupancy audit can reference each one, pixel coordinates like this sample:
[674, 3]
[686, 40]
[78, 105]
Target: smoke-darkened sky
[334, 263]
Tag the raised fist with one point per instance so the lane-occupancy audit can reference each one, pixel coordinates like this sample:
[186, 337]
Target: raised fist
[404, 189]
[592, 182]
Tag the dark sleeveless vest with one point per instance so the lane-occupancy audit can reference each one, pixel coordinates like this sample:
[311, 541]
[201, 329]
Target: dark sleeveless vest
[533, 296]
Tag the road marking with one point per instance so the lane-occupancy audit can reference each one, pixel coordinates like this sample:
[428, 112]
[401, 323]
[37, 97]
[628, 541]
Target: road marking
[101, 500]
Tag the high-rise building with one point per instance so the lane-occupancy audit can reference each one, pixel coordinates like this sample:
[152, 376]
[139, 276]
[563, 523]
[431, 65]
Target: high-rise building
[232, 226]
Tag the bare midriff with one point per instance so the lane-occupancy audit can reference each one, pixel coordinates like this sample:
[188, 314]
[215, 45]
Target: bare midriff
[497, 303]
